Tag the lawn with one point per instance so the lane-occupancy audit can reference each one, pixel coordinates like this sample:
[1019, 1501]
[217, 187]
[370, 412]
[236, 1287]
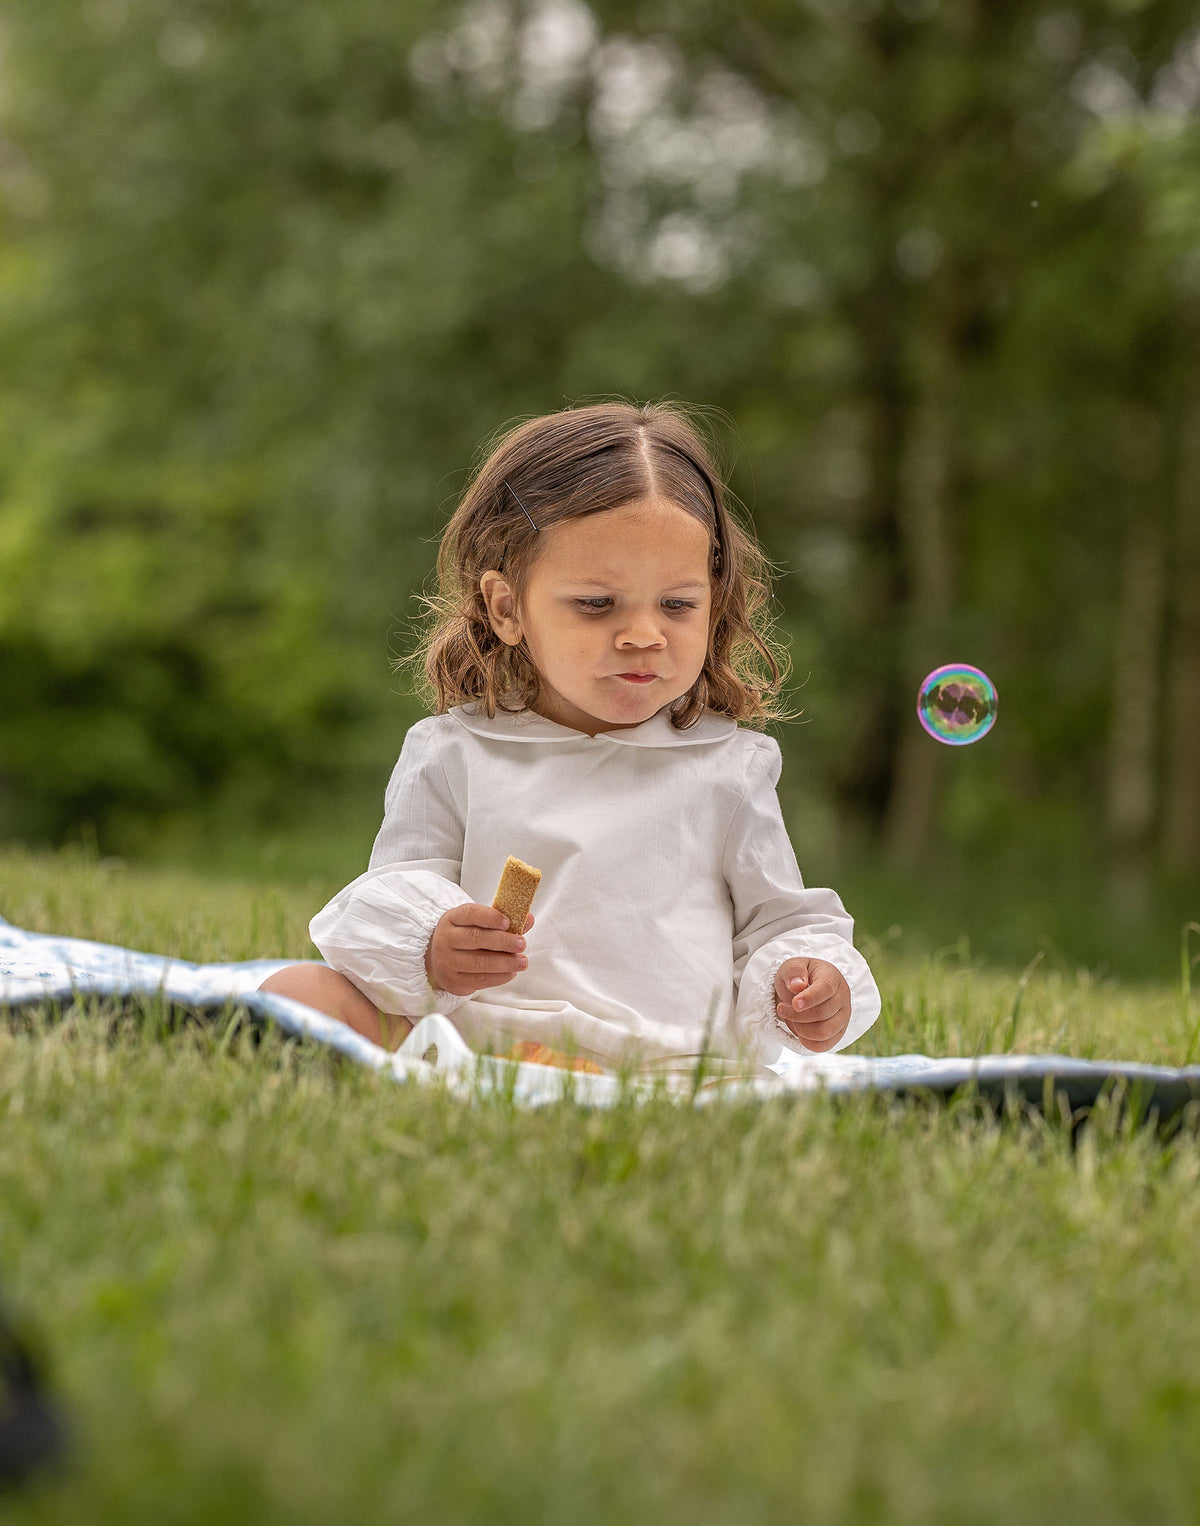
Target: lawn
[275, 1288]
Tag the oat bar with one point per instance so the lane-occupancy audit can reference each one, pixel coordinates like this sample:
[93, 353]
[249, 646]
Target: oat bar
[515, 892]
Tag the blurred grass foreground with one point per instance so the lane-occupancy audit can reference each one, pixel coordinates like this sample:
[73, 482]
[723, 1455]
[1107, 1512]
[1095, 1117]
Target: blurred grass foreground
[270, 273]
[273, 1287]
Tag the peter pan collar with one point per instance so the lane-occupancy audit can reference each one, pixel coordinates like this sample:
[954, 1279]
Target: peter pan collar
[528, 726]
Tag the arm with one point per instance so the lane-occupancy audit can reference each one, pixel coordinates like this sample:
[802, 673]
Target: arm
[377, 930]
[777, 918]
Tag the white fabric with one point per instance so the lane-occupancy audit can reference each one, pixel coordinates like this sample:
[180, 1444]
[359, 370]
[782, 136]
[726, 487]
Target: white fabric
[669, 898]
[41, 968]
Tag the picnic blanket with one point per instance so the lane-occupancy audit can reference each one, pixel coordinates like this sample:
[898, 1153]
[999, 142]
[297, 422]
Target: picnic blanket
[40, 968]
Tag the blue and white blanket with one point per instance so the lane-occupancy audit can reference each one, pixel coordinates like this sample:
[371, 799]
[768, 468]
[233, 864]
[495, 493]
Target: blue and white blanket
[40, 968]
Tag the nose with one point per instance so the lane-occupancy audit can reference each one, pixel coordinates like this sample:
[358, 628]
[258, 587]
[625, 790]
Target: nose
[643, 630]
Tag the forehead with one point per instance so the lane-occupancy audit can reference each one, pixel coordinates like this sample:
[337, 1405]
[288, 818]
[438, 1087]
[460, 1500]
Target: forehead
[650, 538]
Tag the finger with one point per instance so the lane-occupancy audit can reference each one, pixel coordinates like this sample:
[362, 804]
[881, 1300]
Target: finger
[472, 914]
[812, 996]
[812, 1001]
[786, 988]
[826, 985]
[807, 1006]
[486, 937]
[823, 983]
[483, 963]
[830, 1028]
[829, 1013]
[818, 1046]
[529, 921]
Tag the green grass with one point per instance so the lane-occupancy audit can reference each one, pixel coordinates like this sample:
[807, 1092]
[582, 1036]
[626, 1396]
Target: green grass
[275, 1288]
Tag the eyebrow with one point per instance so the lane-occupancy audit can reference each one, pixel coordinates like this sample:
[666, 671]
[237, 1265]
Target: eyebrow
[601, 583]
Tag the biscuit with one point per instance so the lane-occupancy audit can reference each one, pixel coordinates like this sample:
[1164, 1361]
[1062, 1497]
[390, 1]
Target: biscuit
[530, 1053]
[514, 895]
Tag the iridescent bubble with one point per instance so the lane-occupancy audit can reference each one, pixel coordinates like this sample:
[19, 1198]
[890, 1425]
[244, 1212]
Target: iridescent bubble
[957, 704]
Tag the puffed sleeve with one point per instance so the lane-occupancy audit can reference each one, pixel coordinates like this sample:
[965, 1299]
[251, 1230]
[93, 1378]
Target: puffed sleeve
[377, 929]
[776, 917]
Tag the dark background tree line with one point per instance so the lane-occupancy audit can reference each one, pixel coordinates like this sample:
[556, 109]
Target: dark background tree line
[271, 270]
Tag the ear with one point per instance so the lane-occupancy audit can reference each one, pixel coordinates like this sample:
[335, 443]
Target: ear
[500, 604]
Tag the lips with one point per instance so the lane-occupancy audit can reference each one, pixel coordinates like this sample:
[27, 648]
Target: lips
[638, 678]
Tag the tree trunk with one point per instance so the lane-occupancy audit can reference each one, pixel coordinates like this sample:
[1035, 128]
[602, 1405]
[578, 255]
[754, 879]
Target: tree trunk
[1181, 799]
[1134, 725]
[879, 316]
[865, 777]
[927, 563]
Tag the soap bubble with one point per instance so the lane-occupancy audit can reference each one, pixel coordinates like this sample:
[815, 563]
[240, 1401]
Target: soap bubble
[957, 704]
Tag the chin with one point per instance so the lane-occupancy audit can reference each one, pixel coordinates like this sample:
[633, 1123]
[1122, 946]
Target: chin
[638, 702]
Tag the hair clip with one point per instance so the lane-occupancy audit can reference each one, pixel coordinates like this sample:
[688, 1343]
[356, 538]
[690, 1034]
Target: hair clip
[520, 505]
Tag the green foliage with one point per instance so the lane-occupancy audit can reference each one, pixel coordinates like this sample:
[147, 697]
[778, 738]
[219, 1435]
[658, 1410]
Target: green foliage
[269, 275]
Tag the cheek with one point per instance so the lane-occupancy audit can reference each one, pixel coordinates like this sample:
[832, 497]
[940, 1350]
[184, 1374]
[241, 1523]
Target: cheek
[562, 645]
[580, 647]
[697, 650]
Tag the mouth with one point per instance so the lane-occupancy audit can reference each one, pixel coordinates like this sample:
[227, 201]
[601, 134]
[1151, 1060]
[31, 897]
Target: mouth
[637, 678]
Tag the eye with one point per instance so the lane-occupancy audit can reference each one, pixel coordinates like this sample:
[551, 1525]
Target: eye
[600, 606]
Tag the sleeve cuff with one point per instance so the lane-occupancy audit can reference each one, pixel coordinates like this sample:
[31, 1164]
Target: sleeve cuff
[376, 931]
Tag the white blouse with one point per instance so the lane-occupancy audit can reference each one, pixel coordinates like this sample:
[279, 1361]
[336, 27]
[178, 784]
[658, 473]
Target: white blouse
[669, 897]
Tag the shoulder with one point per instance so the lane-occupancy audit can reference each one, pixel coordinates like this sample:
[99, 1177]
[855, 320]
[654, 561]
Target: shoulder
[759, 760]
[430, 729]
[423, 739]
[426, 749]
[751, 746]
[756, 744]
[740, 772]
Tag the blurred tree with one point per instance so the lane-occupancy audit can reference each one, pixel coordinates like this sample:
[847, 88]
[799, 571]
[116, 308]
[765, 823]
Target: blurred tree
[940, 223]
[269, 273]
[260, 289]
[1159, 150]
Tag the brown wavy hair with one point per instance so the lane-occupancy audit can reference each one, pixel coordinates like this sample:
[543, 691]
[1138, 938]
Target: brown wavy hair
[563, 466]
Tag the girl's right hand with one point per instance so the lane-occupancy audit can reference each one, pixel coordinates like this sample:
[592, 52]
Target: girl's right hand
[471, 949]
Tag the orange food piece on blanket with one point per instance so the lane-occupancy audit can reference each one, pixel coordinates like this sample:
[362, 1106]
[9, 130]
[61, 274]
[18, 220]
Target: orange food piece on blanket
[529, 1053]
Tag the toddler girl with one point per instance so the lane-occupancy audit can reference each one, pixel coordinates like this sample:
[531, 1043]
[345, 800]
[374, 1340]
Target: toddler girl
[598, 632]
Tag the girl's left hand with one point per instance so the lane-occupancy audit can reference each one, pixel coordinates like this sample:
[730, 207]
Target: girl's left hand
[813, 999]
